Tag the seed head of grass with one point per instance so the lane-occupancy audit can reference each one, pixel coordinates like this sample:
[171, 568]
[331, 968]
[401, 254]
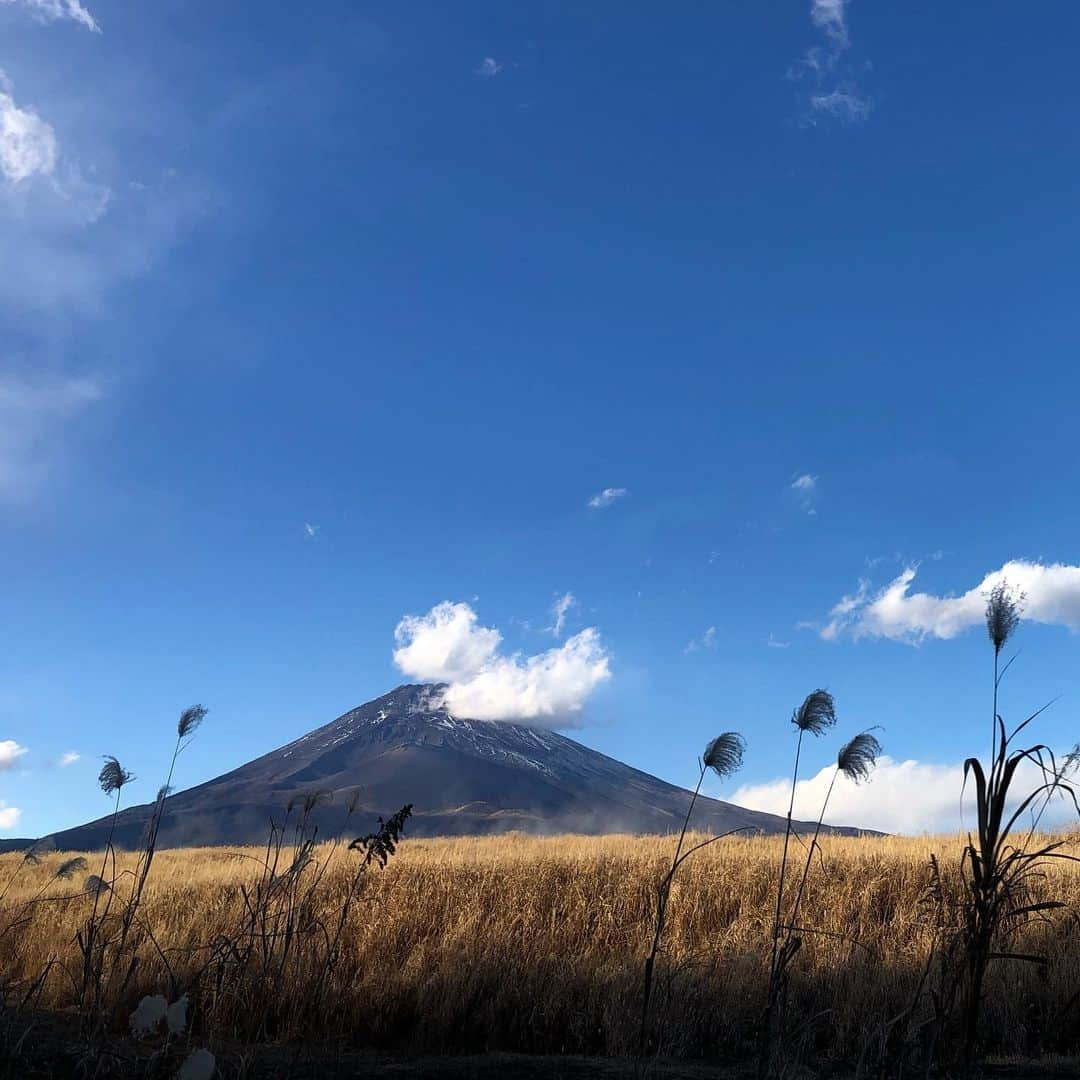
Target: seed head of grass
[724, 754]
[857, 758]
[1002, 614]
[816, 714]
[190, 719]
[37, 850]
[1071, 762]
[70, 867]
[95, 885]
[113, 775]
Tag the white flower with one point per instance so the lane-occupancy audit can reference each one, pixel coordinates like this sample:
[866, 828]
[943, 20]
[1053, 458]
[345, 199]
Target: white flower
[149, 1014]
[199, 1066]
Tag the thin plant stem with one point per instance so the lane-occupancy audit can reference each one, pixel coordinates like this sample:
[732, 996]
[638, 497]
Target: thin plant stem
[810, 852]
[92, 924]
[783, 860]
[661, 913]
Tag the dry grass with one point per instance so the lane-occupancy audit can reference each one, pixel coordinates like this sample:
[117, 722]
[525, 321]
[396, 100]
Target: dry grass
[536, 945]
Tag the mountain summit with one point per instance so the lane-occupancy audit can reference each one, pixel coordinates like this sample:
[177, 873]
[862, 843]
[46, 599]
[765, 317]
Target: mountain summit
[462, 776]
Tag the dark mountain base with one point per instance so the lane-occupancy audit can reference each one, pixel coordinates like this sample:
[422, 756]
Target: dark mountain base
[463, 777]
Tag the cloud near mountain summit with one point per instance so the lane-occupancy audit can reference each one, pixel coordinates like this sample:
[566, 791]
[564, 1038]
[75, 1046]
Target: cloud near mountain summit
[550, 688]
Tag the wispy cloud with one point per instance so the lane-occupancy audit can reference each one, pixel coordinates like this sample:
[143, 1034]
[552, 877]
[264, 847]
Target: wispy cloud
[829, 16]
[34, 413]
[805, 488]
[56, 10]
[1051, 596]
[706, 641]
[836, 92]
[845, 104]
[310, 530]
[775, 643]
[559, 611]
[488, 68]
[9, 816]
[28, 144]
[10, 752]
[603, 499]
[68, 758]
[549, 689]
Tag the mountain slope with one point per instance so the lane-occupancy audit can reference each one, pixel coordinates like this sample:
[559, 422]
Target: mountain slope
[462, 776]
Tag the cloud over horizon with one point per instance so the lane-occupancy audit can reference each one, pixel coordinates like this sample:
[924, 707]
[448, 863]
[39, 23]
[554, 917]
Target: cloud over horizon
[1051, 595]
[9, 816]
[549, 689]
[908, 797]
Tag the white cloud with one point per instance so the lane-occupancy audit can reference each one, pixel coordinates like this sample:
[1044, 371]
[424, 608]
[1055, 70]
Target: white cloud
[10, 752]
[489, 68]
[68, 758]
[836, 92]
[445, 645]
[69, 240]
[9, 816]
[55, 10]
[559, 610]
[706, 641]
[605, 498]
[34, 409]
[28, 144]
[775, 643]
[900, 797]
[1051, 595]
[829, 16]
[448, 646]
[805, 487]
[310, 530]
[848, 104]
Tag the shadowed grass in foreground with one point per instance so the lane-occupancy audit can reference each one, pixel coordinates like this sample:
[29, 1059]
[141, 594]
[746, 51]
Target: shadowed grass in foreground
[536, 945]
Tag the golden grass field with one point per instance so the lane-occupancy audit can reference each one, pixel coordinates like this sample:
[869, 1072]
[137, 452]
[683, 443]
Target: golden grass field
[536, 945]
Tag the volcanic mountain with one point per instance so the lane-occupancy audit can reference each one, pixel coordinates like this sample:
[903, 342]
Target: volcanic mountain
[462, 777]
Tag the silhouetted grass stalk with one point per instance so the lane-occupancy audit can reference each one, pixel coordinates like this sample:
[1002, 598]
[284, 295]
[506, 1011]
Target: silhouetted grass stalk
[998, 872]
[815, 715]
[111, 780]
[724, 755]
[856, 760]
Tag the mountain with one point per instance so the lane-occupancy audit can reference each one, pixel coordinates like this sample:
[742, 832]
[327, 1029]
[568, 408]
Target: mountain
[462, 777]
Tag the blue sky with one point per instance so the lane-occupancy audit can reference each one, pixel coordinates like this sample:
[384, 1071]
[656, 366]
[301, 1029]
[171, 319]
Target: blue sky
[796, 277]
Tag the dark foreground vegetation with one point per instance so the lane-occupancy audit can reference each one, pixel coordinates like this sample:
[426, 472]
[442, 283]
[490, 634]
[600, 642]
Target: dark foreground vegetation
[729, 956]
